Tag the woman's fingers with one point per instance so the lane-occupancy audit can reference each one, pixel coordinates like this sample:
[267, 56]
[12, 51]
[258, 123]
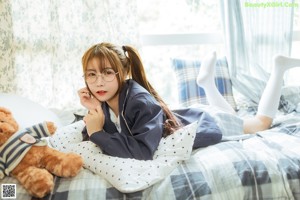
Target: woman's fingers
[86, 99]
[84, 92]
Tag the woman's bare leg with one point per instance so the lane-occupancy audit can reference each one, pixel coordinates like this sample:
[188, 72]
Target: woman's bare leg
[269, 101]
[206, 80]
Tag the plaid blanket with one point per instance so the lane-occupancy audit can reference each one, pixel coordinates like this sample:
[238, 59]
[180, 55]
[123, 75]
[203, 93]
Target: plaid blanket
[263, 166]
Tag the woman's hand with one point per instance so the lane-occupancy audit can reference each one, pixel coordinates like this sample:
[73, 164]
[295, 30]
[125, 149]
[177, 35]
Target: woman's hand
[94, 120]
[87, 100]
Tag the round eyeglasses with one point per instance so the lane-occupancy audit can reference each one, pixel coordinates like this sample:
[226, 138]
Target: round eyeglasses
[107, 75]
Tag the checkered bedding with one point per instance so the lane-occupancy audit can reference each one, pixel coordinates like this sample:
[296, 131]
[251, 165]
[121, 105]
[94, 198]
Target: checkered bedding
[263, 166]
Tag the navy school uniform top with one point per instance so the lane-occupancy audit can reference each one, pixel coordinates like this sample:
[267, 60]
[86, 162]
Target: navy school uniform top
[141, 120]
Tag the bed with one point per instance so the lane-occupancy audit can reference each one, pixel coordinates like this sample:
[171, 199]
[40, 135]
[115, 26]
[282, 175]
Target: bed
[264, 165]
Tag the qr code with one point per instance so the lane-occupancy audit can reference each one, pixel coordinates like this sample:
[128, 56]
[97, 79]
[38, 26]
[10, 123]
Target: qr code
[8, 191]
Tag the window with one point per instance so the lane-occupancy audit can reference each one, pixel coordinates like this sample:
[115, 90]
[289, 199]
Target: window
[292, 77]
[164, 25]
[177, 28]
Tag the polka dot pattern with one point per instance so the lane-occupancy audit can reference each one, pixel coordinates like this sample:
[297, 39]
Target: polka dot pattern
[129, 175]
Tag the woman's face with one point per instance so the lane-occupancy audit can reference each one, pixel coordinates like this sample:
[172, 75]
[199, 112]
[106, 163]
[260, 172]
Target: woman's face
[106, 85]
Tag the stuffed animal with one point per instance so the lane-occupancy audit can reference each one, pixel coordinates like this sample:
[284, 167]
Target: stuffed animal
[25, 156]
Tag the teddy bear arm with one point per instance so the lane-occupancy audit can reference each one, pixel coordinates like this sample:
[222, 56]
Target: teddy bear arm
[62, 164]
[38, 182]
[51, 127]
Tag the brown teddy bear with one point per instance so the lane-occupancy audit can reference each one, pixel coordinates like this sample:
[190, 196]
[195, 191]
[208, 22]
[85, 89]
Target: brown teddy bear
[26, 157]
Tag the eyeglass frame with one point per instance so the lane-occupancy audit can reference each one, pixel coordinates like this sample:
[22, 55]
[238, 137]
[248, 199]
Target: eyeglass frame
[102, 76]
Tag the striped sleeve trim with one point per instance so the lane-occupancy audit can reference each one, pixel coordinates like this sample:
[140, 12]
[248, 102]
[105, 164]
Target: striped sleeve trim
[12, 153]
[13, 150]
[39, 130]
[1, 168]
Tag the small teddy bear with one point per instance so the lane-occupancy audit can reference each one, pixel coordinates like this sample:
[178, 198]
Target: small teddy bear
[25, 156]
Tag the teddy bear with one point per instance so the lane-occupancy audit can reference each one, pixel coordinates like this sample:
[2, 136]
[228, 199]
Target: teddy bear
[28, 158]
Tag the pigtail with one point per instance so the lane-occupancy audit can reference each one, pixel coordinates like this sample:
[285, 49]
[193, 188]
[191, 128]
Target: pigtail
[138, 74]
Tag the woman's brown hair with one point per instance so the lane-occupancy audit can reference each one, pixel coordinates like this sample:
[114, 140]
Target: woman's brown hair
[127, 61]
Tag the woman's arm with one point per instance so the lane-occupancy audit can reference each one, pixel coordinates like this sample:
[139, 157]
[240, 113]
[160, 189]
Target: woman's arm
[144, 118]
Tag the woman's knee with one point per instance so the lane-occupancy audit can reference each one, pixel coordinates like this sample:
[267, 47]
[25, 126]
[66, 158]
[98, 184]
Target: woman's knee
[257, 123]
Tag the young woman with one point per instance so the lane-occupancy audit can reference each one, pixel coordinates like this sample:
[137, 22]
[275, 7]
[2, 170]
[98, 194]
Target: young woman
[127, 118]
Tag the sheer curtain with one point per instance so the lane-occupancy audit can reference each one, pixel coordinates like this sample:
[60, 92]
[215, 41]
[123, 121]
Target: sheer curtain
[42, 42]
[254, 32]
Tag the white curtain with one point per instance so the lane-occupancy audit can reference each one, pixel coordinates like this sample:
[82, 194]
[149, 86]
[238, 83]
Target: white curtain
[42, 42]
[254, 32]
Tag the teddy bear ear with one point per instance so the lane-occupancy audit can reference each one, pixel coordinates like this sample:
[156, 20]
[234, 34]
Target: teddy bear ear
[5, 110]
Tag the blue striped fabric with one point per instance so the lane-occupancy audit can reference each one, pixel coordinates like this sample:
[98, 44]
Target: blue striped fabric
[14, 149]
[189, 93]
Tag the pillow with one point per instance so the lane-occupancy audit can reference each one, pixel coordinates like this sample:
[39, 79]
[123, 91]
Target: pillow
[26, 112]
[290, 99]
[126, 174]
[186, 71]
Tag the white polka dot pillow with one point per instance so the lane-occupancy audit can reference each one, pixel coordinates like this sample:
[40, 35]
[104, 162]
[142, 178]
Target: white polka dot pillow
[128, 175]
